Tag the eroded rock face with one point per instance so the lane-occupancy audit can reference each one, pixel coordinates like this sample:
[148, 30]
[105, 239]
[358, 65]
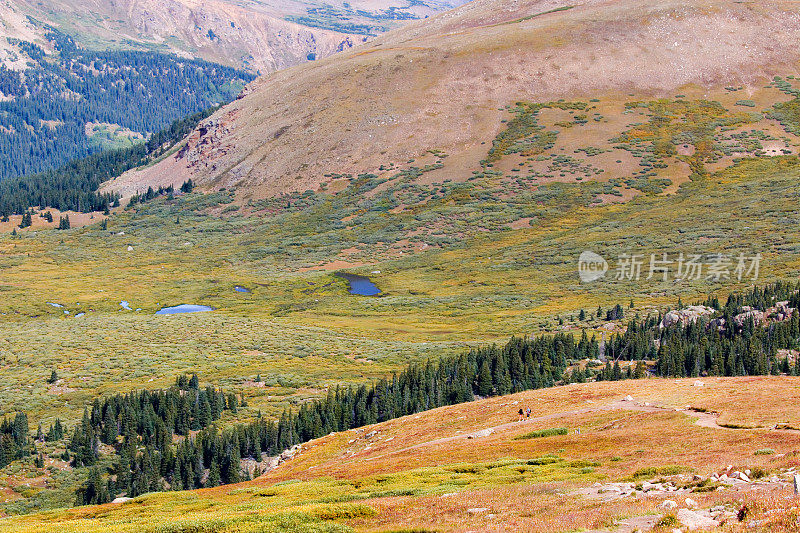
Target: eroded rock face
[250, 35]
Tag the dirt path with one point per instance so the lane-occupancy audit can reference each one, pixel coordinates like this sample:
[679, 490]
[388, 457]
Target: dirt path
[704, 419]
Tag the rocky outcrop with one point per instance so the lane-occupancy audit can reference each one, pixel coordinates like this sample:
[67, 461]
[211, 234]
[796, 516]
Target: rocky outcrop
[781, 311]
[686, 316]
[481, 433]
[267, 463]
[755, 315]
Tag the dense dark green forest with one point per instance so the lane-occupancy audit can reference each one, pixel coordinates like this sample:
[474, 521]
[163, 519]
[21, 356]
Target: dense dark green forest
[43, 124]
[14, 440]
[141, 425]
[74, 186]
[724, 347]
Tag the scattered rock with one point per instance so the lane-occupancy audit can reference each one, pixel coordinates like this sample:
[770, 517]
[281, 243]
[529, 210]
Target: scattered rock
[690, 503]
[481, 433]
[699, 384]
[668, 505]
[130, 248]
[717, 323]
[477, 510]
[290, 453]
[782, 311]
[628, 398]
[693, 520]
[121, 499]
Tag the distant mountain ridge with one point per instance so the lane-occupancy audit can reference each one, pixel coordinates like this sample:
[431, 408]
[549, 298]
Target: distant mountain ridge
[257, 36]
[56, 56]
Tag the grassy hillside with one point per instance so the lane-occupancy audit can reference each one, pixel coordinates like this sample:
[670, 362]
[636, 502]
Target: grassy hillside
[447, 82]
[440, 471]
[498, 150]
[465, 262]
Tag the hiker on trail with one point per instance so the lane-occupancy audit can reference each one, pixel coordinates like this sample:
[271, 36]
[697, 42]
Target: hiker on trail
[528, 413]
[521, 415]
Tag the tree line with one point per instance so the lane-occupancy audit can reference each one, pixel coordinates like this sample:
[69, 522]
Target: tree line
[146, 461]
[14, 439]
[141, 427]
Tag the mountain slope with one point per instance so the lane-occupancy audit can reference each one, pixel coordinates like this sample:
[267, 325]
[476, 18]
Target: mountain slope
[438, 84]
[476, 467]
[260, 36]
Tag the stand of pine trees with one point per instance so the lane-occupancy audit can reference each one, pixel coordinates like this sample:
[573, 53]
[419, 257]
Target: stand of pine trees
[700, 348]
[14, 440]
[141, 425]
[43, 122]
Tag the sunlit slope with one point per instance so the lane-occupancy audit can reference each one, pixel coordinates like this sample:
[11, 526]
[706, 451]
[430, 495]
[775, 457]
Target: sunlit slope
[440, 84]
[473, 466]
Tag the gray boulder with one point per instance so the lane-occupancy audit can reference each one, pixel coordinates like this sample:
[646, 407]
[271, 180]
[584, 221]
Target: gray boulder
[693, 520]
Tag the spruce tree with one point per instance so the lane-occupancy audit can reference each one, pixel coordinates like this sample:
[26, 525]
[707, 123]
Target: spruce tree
[214, 478]
[485, 379]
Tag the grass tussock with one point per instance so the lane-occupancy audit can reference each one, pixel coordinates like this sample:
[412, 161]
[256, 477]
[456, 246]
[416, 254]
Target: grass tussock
[541, 433]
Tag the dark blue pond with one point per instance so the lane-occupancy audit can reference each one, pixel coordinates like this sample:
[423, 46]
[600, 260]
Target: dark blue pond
[185, 308]
[360, 285]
